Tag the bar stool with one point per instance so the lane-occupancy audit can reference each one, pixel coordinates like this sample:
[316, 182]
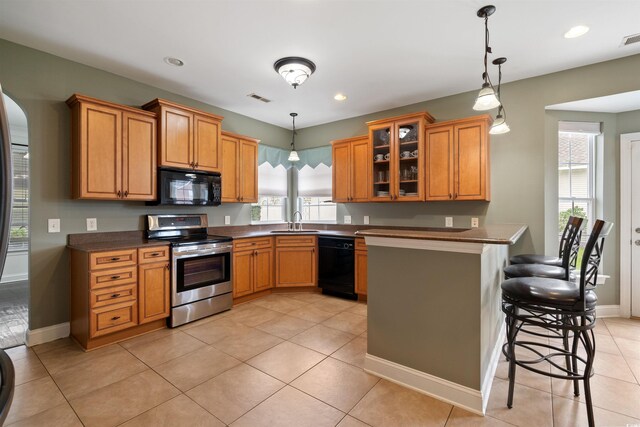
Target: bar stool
[565, 310]
[570, 246]
[545, 259]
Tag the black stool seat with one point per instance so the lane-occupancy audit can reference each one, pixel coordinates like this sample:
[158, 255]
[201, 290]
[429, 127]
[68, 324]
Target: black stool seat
[536, 259]
[537, 270]
[554, 293]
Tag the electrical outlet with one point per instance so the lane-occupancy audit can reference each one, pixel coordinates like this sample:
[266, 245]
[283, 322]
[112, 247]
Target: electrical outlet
[92, 224]
[347, 219]
[227, 220]
[448, 221]
[54, 225]
[366, 220]
[474, 222]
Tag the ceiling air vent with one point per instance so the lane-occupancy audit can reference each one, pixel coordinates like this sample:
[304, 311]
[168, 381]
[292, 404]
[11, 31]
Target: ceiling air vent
[634, 38]
[258, 97]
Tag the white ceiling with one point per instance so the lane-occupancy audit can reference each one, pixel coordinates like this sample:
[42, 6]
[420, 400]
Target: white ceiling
[618, 103]
[381, 54]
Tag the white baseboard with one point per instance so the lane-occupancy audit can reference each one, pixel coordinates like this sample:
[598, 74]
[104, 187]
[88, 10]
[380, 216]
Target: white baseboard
[46, 334]
[11, 278]
[493, 366]
[608, 311]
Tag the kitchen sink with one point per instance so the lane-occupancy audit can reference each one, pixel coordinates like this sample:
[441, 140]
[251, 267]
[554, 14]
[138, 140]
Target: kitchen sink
[293, 231]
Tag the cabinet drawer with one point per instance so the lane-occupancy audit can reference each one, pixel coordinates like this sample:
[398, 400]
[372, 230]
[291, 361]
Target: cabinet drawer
[116, 276]
[110, 259]
[295, 241]
[155, 254]
[112, 318]
[113, 295]
[360, 244]
[257, 243]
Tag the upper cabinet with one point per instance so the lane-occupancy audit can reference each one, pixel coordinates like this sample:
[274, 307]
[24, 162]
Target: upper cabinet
[239, 159]
[188, 138]
[396, 147]
[457, 159]
[351, 164]
[114, 151]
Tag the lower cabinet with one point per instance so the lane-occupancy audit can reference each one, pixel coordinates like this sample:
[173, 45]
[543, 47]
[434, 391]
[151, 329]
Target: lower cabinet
[252, 266]
[118, 294]
[296, 261]
[361, 267]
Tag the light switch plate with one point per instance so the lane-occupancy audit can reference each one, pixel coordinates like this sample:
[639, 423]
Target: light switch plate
[366, 220]
[54, 225]
[227, 220]
[448, 221]
[474, 222]
[92, 224]
[347, 219]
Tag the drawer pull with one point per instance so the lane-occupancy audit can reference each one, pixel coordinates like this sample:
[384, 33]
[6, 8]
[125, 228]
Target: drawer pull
[154, 254]
[115, 295]
[115, 317]
[115, 277]
[115, 258]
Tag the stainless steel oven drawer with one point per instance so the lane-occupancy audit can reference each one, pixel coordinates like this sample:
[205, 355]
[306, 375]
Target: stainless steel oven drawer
[197, 294]
[200, 309]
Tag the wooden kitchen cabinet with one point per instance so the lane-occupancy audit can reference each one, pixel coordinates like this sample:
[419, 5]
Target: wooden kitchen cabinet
[361, 267]
[118, 294]
[351, 160]
[188, 138]
[457, 160]
[252, 265]
[239, 160]
[113, 151]
[296, 261]
[396, 148]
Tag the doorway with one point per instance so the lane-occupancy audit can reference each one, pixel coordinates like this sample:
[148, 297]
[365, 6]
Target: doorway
[14, 283]
[630, 224]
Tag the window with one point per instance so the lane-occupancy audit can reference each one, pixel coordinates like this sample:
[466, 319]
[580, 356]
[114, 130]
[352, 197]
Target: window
[272, 194]
[314, 194]
[19, 236]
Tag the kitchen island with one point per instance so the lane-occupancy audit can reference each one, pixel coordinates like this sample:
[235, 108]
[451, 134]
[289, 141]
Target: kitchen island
[434, 317]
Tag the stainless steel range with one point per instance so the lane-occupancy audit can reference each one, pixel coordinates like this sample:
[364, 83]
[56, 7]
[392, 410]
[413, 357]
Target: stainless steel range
[201, 282]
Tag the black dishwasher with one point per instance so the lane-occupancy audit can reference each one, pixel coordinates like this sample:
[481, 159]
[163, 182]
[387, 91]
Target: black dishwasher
[336, 272]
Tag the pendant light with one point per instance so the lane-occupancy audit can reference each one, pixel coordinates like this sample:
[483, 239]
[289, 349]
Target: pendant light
[293, 155]
[486, 99]
[500, 125]
[294, 69]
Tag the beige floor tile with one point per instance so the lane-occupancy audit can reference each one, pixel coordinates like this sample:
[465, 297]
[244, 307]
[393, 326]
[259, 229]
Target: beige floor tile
[634, 365]
[64, 356]
[322, 339]
[622, 320]
[286, 361]
[247, 344]
[52, 345]
[186, 372]
[349, 421]
[217, 330]
[526, 377]
[621, 329]
[58, 416]
[253, 315]
[614, 395]
[308, 297]
[630, 349]
[177, 412]
[572, 413]
[234, 392]
[347, 322]
[164, 349]
[311, 313]
[97, 372]
[19, 352]
[530, 407]
[335, 305]
[290, 407]
[337, 383]
[32, 398]
[204, 320]
[353, 352]
[601, 328]
[360, 308]
[461, 418]
[147, 338]
[613, 366]
[27, 367]
[285, 326]
[124, 400]
[388, 404]
[279, 303]
[606, 344]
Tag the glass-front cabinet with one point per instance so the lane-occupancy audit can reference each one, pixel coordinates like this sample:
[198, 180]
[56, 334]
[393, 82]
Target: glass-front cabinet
[397, 147]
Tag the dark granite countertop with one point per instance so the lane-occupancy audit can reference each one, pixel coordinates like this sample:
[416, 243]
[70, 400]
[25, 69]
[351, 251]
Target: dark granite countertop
[497, 234]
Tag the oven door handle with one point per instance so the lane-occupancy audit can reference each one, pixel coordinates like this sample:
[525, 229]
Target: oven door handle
[201, 252]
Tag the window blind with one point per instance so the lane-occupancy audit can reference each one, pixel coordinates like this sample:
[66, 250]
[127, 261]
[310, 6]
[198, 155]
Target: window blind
[272, 181]
[314, 182]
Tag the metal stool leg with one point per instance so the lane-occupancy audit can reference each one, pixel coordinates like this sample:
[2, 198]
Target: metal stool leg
[511, 339]
[589, 346]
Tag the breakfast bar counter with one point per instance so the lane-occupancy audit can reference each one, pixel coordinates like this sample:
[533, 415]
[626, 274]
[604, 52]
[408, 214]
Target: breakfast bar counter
[434, 309]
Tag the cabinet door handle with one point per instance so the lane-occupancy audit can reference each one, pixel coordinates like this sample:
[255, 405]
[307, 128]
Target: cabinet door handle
[126, 193]
[450, 196]
[115, 258]
[455, 195]
[115, 277]
[115, 317]
[166, 266]
[119, 194]
[197, 164]
[255, 253]
[115, 295]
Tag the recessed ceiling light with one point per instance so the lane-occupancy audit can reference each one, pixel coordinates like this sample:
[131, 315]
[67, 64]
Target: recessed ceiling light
[577, 31]
[340, 97]
[173, 61]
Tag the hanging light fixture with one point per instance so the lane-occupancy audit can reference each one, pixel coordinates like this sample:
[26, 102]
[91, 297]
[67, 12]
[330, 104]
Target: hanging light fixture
[486, 99]
[500, 124]
[293, 155]
[294, 70]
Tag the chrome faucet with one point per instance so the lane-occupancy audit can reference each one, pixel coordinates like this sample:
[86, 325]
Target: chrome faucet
[299, 223]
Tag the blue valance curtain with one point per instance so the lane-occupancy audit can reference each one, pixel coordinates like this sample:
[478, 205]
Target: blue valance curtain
[278, 156]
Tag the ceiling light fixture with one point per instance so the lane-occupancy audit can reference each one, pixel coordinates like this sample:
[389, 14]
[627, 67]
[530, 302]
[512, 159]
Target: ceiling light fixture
[340, 97]
[294, 70]
[577, 31]
[500, 125]
[486, 99]
[293, 155]
[173, 61]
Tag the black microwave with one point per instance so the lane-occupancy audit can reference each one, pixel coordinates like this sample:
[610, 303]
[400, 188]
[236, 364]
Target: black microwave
[180, 187]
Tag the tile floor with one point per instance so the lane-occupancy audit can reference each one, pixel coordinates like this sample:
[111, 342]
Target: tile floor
[290, 360]
[14, 306]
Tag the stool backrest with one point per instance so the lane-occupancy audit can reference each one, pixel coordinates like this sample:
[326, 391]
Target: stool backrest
[593, 255]
[570, 243]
